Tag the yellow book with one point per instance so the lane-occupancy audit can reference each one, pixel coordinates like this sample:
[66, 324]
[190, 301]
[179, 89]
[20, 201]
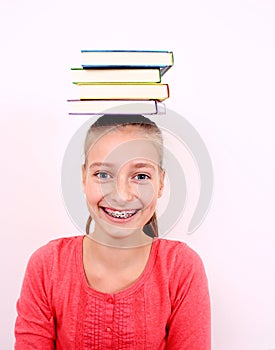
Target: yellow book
[117, 75]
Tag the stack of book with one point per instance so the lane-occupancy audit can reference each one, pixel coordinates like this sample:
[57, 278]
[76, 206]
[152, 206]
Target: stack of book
[122, 82]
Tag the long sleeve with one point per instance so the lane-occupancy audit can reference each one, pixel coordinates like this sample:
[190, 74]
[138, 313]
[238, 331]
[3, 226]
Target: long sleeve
[35, 326]
[189, 326]
[166, 308]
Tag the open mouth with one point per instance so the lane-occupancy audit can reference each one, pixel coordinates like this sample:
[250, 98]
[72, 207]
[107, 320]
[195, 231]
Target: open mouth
[120, 214]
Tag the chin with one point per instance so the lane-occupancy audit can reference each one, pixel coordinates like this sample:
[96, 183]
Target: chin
[116, 235]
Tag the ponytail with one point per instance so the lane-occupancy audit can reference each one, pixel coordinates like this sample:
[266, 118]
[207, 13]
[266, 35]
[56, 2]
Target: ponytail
[88, 224]
[151, 228]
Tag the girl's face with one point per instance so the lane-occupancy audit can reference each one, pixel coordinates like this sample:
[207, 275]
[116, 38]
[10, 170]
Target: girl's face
[122, 181]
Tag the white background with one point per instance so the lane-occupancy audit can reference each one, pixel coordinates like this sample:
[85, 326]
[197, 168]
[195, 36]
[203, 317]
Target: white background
[223, 82]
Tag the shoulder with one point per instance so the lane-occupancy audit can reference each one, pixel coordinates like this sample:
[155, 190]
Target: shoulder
[54, 249]
[176, 251]
[178, 259]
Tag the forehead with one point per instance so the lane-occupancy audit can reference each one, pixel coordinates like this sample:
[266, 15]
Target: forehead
[123, 145]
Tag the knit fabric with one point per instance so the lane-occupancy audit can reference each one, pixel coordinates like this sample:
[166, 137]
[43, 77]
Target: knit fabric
[166, 308]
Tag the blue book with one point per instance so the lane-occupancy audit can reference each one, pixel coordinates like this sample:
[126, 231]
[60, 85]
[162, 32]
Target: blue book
[127, 59]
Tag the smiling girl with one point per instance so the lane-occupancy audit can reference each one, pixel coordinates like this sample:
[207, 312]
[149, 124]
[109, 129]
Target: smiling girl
[120, 286]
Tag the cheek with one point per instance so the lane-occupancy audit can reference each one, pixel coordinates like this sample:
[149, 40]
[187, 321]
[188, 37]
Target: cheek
[147, 194]
[93, 192]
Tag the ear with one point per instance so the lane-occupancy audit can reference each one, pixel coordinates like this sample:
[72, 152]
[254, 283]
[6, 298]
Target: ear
[161, 182]
[83, 169]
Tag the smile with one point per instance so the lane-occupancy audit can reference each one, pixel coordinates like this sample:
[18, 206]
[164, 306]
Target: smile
[120, 214]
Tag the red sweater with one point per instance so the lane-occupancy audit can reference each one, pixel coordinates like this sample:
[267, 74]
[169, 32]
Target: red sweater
[166, 308]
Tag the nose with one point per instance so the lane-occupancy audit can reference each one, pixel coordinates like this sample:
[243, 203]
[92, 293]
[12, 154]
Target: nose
[123, 190]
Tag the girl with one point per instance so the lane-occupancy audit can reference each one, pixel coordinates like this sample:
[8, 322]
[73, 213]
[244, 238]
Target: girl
[119, 286]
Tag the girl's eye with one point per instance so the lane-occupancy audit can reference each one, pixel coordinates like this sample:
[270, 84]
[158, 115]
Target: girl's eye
[142, 177]
[102, 175]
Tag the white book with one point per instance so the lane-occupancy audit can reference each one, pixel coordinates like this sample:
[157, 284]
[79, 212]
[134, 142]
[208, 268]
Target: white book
[149, 91]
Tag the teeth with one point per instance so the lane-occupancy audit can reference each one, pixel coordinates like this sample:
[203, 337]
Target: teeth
[120, 214]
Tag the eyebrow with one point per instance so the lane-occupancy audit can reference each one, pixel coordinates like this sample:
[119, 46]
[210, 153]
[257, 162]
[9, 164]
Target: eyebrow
[143, 165]
[100, 164]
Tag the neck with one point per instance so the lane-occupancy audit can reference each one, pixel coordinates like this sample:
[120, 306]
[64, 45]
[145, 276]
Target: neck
[112, 257]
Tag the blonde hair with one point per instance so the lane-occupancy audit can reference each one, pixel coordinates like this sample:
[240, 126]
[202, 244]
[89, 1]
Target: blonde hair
[109, 122]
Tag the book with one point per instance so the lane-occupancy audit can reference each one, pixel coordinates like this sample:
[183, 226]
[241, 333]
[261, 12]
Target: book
[131, 58]
[109, 75]
[91, 107]
[149, 91]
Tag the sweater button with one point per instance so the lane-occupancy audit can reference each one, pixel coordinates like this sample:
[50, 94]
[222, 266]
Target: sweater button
[110, 300]
[108, 329]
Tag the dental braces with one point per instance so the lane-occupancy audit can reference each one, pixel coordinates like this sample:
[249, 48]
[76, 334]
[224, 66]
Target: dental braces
[122, 214]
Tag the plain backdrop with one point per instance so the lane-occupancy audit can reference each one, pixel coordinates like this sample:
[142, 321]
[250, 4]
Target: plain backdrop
[223, 83]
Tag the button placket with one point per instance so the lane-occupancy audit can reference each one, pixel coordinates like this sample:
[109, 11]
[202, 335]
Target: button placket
[109, 319]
